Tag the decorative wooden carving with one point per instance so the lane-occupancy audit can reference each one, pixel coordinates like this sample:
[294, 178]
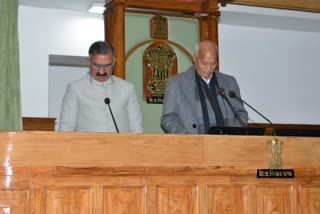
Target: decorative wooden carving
[159, 63]
[206, 11]
[159, 27]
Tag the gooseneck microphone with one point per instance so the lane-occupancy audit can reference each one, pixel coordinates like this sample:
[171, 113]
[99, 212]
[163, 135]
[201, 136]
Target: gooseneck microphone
[232, 94]
[222, 93]
[107, 101]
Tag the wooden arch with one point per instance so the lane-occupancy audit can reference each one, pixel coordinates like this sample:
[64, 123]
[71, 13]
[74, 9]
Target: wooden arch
[206, 11]
[132, 50]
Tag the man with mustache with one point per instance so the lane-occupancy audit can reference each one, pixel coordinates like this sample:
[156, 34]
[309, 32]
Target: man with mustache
[84, 108]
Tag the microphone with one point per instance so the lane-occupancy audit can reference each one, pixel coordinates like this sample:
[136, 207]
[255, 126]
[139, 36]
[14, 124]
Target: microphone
[232, 94]
[222, 93]
[107, 101]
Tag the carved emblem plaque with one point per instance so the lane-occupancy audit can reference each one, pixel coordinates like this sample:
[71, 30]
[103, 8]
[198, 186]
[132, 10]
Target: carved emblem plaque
[159, 27]
[159, 63]
[275, 163]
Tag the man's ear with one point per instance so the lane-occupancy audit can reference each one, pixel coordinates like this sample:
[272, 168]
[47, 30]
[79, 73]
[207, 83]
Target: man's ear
[194, 58]
[88, 60]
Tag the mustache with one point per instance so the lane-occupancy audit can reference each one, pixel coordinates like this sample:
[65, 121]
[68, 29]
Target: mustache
[102, 75]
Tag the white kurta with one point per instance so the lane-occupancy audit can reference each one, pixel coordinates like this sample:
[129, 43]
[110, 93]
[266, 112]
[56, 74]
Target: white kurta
[84, 110]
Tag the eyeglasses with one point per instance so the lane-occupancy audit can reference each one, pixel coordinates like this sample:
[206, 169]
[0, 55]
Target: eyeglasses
[99, 66]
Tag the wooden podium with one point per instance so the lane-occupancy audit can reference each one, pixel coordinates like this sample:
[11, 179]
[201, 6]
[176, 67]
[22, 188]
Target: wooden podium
[55, 172]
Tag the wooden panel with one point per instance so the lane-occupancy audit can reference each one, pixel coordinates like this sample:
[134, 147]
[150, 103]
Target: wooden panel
[95, 173]
[274, 200]
[37, 123]
[226, 199]
[167, 5]
[129, 200]
[311, 200]
[14, 202]
[68, 201]
[177, 200]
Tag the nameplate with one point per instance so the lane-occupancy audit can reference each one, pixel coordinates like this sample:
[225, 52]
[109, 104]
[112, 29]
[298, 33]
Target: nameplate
[275, 173]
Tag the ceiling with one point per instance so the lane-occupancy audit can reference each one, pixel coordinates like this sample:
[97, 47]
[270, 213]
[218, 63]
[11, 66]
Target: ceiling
[231, 14]
[75, 5]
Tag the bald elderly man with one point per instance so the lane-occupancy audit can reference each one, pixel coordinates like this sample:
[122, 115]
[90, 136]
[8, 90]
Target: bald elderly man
[193, 102]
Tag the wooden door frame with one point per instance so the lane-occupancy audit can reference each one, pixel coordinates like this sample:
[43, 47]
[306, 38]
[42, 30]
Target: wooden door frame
[206, 11]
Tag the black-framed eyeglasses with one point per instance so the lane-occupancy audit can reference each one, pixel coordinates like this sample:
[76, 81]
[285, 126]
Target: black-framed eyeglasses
[97, 66]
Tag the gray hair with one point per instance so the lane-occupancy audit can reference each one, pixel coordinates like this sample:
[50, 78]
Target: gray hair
[207, 42]
[101, 48]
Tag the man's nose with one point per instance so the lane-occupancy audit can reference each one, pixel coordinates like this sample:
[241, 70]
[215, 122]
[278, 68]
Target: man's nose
[212, 66]
[102, 70]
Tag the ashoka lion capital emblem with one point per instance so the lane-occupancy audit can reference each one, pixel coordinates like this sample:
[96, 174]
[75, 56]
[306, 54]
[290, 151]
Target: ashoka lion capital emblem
[161, 63]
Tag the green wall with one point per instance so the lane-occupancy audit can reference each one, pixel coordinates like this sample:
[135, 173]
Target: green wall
[183, 31]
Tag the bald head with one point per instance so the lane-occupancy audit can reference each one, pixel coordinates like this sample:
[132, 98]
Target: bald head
[205, 58]
[206, 44]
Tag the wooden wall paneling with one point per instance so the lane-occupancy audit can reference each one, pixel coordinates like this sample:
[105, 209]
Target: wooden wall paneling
[96, 198]
[14, 201]
[274, 199]
[58, 172]
[226, 199]
[177, 199]
[38, 199]
[38, 123]
[310, 199]
[74, 200]
[177, 5]
[127, 199]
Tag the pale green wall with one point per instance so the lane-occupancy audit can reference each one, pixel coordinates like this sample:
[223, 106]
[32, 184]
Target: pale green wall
[183, 31]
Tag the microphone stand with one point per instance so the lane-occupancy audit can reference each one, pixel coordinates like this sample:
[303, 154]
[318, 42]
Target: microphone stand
[232, 94]
[222, 94]
[114, 121]
[107, 101]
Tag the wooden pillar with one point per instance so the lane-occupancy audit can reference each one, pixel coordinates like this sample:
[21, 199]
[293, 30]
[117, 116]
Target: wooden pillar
[213, 29]
[119, 39]
[108, 25]
[115, 33]
[202, 28]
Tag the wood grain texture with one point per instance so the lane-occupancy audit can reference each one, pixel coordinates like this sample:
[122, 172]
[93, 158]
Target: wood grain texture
[58, 172]
[38, 123]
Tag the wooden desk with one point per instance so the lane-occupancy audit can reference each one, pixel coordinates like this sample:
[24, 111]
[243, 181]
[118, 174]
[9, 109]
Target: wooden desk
[55, 172]
[38, 123]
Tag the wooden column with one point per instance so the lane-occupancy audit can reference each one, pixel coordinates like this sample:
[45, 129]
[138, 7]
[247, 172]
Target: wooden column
[119, 39]
[213, 28]
[202, 28]
[108, 25]
[206, 11]
[115, 33]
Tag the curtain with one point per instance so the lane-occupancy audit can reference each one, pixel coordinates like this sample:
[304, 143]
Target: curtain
[10, 103]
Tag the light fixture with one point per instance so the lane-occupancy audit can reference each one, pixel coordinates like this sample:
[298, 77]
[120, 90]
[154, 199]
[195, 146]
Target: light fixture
[97, 8]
